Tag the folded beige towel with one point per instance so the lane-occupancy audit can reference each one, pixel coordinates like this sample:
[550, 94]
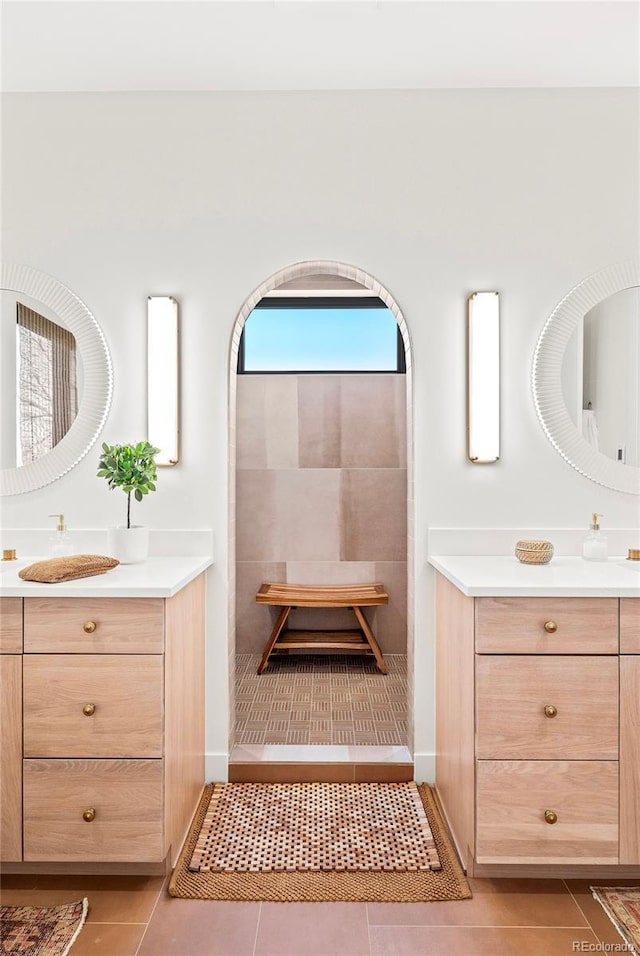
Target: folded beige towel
[54, 570]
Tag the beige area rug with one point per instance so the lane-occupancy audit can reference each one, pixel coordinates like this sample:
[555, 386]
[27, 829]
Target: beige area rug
[41, 930]
[622, 906]
[318, 842]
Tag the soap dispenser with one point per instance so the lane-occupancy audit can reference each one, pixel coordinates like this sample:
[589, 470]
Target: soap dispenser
[61, 539]
[594, 547]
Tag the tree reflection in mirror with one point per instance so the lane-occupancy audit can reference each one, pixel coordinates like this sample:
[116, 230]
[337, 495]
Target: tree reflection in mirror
[47, 393]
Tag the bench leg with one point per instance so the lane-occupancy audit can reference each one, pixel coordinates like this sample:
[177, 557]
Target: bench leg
[275, 634]
[373, 644]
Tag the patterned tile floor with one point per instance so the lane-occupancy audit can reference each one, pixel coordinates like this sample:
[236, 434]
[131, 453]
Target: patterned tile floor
[321, 699]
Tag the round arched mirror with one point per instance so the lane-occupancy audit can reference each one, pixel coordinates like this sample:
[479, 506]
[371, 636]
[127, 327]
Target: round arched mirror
[56, 379]
[586, 377]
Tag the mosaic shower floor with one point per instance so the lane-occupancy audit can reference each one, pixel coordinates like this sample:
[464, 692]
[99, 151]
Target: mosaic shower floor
[321, 699]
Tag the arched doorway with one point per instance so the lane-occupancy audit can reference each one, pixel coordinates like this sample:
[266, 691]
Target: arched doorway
[298, 276]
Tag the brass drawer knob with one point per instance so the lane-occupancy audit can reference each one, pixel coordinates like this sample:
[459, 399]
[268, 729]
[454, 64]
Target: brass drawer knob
[89, 627]
[89, 815]
[550, 627]
[89, 710]
[550, 710]
[551, 816]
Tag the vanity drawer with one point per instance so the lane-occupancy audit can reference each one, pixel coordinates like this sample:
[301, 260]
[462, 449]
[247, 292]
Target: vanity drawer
[521, 625]
[513, 692]
[10, 625]
[126, 796]
[94, 625]
[630, 625]
[10, 757]
[513, 796]
[125, 692]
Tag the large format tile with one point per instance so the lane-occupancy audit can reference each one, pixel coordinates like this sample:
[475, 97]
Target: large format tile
[391, 619]
[592, 909]
[281, 421]
[251, 442]
[313, 929]
[330, 572]
[267, 422]
[112, 899]
[373, 421]
[288, 515]
[109, 939]
[374, 514]
[307, 510]
[319, 421]
[201, 928]
[257, 528]
[518, 903]
[254, 622]
[476, 941]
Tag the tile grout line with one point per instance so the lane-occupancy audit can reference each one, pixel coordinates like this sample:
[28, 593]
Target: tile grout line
[366, 907]
[151, 914]
[597, 936]
[255, 940]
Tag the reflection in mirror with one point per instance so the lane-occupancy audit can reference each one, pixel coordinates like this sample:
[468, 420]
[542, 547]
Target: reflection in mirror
[47, 398]
[56, 379]
[40, 381]
[601, 377]
[586, 377]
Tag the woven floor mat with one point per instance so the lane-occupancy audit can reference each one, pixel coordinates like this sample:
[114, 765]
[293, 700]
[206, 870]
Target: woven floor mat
[266, 827]
[433, 873]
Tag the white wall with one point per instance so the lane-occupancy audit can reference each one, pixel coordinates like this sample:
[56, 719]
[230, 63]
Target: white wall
[438, 194]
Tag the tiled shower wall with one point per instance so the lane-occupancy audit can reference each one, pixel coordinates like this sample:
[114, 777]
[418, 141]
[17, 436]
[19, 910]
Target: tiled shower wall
[321, 485]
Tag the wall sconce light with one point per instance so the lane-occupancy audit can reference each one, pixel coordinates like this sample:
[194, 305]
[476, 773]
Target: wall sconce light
[483, 377]
[163, 425]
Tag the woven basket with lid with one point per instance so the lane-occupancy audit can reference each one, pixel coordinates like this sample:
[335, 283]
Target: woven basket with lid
[534, 552]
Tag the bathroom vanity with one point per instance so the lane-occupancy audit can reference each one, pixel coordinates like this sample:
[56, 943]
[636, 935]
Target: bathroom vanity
[102, 731]
[538, 715]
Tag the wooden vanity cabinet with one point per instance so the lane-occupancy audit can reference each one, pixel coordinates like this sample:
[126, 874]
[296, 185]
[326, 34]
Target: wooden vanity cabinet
[112, 719]
[538, 729]
[11, 729]
[630, 730]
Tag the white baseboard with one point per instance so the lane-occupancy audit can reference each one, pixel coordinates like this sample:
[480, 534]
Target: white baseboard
[216, 767]
[424, 767]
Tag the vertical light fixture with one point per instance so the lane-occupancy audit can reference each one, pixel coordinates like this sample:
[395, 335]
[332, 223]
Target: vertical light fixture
[483, 377]
[163, 405]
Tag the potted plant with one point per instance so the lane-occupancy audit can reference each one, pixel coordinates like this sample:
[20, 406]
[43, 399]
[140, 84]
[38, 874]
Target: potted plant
[132, 468]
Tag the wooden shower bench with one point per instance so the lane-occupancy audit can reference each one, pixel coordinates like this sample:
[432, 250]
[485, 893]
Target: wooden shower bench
[355, 596]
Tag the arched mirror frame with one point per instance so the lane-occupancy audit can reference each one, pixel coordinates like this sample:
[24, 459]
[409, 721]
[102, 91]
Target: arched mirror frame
[98, 379]
[547, 378]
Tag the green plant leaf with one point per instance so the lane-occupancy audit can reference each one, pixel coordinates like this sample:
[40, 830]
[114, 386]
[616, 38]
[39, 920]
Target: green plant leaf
[130, 467]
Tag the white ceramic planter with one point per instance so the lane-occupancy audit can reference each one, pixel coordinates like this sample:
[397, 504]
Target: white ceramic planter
[129, 545]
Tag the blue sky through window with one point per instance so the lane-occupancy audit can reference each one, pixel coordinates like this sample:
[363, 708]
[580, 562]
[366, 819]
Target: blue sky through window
[320, 340]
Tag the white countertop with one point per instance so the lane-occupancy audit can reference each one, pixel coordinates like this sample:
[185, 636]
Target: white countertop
[505, 576]
[156, 577]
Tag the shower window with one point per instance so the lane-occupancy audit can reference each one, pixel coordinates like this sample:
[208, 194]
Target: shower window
[322, 334]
